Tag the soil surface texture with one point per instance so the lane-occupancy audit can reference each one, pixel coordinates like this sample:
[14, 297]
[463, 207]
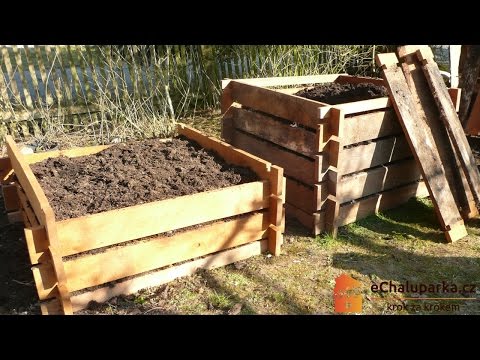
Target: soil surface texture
[333, 93]
[133, 173]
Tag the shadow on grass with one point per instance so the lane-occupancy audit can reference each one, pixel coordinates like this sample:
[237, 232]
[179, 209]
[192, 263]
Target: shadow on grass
[388, 261]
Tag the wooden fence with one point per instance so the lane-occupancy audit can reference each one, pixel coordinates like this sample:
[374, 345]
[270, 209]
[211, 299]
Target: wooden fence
[41, 81]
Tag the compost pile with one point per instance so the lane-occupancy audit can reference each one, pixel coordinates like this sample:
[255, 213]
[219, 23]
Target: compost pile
[133, 173]
[333, 93]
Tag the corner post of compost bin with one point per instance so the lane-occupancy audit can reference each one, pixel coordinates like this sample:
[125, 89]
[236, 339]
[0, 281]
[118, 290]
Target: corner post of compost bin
[334, 149]
[275, 237]
[226, 99]
[56, 261]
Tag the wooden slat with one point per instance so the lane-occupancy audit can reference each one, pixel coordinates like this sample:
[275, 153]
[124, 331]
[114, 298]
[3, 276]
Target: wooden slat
[455, 95]
[314, 222]
[15, 217]
[347, 79]
[10, 197]
[370, 126]
[472, 126]
[51, 68]
[64, 77]
[81, 97]
[5, 170]
[417, 124]
[71, 153]
[21, 72]
[296, 166]
[272, 129]
[46, 76]
[229, 153]
[375, 153]
[29, 213]
[10, 72]
[356, 107]
[285, 81]
[308, 198]
[389, 199]
[113, 227]
[163, 276]
[289, 107]
[37, 244]
[120, 262]
[452, 123]
[377, 180]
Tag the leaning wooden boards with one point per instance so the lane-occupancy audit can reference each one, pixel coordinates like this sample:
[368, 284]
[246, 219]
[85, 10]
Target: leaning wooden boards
[420, 122]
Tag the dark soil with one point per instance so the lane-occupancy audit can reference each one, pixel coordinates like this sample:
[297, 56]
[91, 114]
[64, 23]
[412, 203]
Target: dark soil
[333, 93]
[133, 173]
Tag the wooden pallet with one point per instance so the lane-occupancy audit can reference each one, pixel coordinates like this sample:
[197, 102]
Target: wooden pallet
[421, 125]
[331, 155]
[243, 220]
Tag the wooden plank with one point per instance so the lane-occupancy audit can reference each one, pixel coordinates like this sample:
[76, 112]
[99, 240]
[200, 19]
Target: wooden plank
[374, 153]
[15, 217]
[420, 87]
[352, 212]
[5, 169]
[272, 129]
[305, 197]
[314, 222]
[80, 96]
[229, 153]
[63, 74]
[37, 244]
[415, 125]
[289, 107]
[10, 72]
[469, 67]
[377, 180]
[452, 123]
[44, 74]
[359, 128]
[27, 209]
[52, 70]
[163, 276]
[120, 262]
[356, 107]
[296, 166]
[114, 227]
[71, 153]
[455, 95]
[472, 126]
[10, 198]
[348, 79]
[23, 79]
[285, 80]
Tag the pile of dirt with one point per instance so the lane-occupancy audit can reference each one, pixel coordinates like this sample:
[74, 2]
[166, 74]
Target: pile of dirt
[134, 173]
[333, 93]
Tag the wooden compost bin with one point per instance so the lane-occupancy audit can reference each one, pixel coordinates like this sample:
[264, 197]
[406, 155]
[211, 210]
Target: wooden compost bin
[341, 162]
[253, 222]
